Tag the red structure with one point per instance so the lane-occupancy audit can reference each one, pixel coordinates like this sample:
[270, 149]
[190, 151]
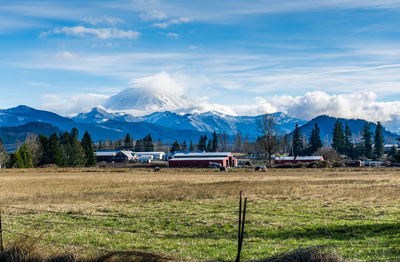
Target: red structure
[224, 159]
[297, 159]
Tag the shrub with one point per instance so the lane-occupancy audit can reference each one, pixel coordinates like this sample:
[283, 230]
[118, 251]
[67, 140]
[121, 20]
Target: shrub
[338, 164]
[324, 164]
[300, 165]
[312, 254]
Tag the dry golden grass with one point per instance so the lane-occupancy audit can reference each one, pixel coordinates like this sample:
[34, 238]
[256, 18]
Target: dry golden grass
[83, 188]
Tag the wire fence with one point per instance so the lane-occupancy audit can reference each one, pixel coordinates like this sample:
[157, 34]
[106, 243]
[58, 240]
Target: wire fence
[46, 220]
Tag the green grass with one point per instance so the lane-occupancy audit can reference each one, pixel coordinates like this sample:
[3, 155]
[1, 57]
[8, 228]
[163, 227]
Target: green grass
[207, 230]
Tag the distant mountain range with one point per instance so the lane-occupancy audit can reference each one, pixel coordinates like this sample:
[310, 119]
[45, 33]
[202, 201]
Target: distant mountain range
[167, 126]
[202, 122]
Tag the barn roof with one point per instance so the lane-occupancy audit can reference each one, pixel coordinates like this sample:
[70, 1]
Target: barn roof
[105, 153]
[197, 158]
[149, 153]
[289, 158]
[128, 154]
[203, 155]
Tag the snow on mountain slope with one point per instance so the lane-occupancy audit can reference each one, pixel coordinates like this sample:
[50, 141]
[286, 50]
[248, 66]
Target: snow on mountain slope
[99, 115]
[141, 99]
[203, 122]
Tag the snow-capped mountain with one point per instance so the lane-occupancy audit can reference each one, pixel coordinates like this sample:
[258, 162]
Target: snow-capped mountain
[99, 115]
[167, 126]
[147, 100]
[31, 120]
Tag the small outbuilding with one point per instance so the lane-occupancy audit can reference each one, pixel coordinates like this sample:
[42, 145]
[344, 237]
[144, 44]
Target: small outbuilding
[205, 159]
[153, 155]
[297, 159]
[105, 156]
[114, 156]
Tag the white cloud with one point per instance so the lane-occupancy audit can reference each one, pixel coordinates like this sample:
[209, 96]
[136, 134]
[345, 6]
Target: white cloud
[363, 105]
[68, 105]
[163, 92]
[103, 20]
[153, 15]
[159, 83]
[66, 55]
[101, 33]
[174, 21]
[172, 35]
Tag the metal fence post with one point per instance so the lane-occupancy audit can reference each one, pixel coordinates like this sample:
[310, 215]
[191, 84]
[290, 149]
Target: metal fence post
[241, 225]
[1, 236]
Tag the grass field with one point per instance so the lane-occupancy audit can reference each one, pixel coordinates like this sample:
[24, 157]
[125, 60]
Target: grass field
[192, 214]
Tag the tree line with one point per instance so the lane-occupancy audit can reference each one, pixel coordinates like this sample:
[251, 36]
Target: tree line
[370, 146]
[63, 150]
[66, 150]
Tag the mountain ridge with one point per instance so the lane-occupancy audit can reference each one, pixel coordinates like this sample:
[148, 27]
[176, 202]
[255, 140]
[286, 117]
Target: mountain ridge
[203, 122]
[170, 126]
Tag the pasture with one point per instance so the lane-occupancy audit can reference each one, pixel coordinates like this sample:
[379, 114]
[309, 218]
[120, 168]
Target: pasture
[191, 214]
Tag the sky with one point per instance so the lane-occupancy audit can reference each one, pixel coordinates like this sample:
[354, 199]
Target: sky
[304, 58]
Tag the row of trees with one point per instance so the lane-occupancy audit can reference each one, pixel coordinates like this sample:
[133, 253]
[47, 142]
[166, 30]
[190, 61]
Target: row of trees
[218, 142]
[64, 150]
[371, 145]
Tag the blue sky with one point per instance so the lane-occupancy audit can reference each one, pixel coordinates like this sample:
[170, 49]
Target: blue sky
[245, 57]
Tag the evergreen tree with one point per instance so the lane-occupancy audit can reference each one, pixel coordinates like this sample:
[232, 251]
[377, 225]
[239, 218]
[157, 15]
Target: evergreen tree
[315, 140]
[75, 133]
[202, 146]
[214, 146]
[12, 160]
[392, 155]
[87, 145]
[191, 147]
[73, 154]
[23, 158]
[44, 148]
[128, 143]
[379, 141]
[184, 146]
[66, 150]
[338, 137]
[139, 146]
[55, 155]
[77, 156]
[297, 144]
[366, 141]
[175, 147]
[348, 145]
[148, 144]
[209, 146]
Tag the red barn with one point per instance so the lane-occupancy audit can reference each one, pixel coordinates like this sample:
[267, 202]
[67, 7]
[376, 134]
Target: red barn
[224, 159]
[297, 159]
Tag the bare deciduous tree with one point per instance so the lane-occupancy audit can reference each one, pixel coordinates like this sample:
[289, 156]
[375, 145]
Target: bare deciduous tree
[269, 135]
[34, 148]
[4, 157]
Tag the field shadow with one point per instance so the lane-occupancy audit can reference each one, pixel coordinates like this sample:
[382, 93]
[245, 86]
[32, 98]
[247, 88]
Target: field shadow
[313, 254]
[335, 232]
[24, 254]
[131, 256]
